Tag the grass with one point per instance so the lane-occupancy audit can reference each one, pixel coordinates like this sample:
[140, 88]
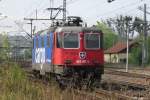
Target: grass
[14, 85]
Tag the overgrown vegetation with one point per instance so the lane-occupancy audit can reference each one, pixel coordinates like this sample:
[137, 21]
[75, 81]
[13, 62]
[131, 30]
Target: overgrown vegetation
[135, 56]
[15, 85]
[4, 52]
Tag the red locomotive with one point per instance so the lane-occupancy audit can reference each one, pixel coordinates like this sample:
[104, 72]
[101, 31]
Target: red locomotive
[69, 51]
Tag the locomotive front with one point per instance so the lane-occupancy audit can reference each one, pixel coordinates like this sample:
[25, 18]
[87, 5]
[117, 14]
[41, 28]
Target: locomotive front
[78, 50]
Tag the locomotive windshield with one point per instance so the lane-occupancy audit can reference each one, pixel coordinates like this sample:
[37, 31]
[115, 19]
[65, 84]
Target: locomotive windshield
[71, 40]
[92, 41]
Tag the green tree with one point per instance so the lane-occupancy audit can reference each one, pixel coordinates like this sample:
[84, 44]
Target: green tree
[121, 25]
[110, 38]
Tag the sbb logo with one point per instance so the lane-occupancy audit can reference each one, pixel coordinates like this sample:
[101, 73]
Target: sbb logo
[82, 55]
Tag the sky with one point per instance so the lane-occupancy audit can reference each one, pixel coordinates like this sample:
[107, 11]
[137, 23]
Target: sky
[14, 11]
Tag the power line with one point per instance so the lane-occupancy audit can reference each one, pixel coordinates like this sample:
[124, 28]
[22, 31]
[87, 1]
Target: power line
[121, 8]
[32, 7]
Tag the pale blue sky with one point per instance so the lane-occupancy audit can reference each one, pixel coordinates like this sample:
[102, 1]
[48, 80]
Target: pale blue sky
[89, 10]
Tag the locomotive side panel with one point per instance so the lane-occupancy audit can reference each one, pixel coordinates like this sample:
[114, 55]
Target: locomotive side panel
[42, 53]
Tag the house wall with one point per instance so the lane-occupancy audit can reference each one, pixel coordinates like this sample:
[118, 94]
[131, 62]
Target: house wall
[111, 58]
[115, 58]
[106, 58]
[122, 58]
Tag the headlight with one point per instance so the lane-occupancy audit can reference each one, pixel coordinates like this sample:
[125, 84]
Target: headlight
[68, 61]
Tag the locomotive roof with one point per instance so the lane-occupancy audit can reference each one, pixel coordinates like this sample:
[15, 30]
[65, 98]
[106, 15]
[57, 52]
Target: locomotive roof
[78, 29]
[69, 29]
[43, 32]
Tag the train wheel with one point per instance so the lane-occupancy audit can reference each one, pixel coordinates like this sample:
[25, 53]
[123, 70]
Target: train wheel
[36, 73]
[90, 81]
[60, 81]
[75, 81]
[93, 81]
[97, 81]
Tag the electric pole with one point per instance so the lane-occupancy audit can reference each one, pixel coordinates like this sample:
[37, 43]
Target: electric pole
[64, 11]
[144, 37]
[127, 22]
[127, 51]
[58, 10]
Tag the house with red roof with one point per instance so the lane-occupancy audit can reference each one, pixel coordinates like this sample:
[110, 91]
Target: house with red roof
[117, 53]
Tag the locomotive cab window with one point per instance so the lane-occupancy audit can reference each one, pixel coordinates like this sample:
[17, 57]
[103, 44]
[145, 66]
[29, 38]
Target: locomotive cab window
[92, 40]
[71, 40]
[59, 40]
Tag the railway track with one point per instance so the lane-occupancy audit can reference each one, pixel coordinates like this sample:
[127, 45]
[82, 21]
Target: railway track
[140, 81]
[126, 89]
[122, 84]
[131, 78]
[128, 74]
[101, 94]
[111, 95]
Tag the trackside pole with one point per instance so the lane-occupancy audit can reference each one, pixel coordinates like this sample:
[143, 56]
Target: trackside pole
[127, 55]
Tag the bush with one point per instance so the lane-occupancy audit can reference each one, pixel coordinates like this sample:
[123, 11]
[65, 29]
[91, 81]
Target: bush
[16, 86]
[135, 56]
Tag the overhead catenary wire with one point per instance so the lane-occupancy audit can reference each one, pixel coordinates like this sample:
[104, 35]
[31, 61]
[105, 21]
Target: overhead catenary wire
[114, 12]
[32, 9]
[121, 8]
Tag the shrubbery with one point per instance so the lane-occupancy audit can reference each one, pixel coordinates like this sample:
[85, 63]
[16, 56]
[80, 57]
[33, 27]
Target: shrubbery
[16, 86]
[136, 54]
